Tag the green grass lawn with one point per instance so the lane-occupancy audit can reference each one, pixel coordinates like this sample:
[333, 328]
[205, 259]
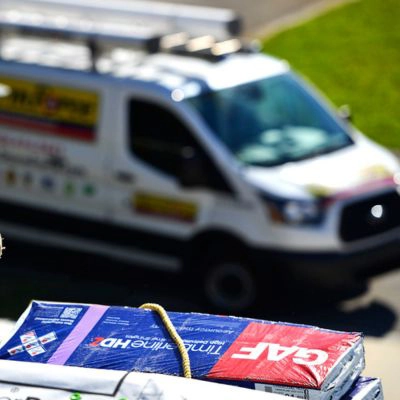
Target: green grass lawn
[353, 55]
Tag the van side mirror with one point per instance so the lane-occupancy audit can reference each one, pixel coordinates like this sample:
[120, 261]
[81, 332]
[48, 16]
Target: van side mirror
[344, 112]
[192, 172]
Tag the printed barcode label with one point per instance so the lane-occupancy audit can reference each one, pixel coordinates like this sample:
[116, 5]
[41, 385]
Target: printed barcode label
[288, 391]
[71, 312]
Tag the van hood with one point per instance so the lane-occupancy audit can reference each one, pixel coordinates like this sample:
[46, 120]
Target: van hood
[356, 168]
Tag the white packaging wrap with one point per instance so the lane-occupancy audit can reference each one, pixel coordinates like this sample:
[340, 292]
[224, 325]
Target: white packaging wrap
[33, 381]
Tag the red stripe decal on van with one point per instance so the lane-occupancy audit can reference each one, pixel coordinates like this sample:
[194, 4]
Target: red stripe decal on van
[71, 132]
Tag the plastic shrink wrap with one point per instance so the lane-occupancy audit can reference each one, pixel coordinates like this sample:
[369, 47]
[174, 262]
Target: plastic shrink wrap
[31, 381]
[296, 360]
[365, 389]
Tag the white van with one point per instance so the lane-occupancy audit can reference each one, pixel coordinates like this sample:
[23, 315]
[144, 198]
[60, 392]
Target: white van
[177, 150]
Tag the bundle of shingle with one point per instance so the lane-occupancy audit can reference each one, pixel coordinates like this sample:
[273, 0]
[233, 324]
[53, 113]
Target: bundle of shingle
[287, 359]
[365, 389]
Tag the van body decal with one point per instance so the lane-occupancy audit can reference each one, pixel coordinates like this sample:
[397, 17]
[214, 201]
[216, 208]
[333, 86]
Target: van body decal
[163, 206]
[105, 233]
[53, 110]
[10, 177]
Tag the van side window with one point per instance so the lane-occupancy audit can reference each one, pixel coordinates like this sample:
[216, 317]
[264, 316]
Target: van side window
[159, 138]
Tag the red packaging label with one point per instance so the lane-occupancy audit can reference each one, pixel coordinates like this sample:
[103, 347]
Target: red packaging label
[283, 355]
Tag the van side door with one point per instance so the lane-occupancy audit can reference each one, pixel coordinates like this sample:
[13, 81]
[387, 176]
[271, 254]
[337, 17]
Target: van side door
[165, 182]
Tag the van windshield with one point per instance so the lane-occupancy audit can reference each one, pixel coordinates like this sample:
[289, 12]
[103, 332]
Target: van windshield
[271, 121]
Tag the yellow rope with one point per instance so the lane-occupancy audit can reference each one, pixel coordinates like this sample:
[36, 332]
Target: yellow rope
[174, 335]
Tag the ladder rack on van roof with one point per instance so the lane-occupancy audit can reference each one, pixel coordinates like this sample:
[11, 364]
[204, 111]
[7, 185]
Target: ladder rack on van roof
[149, 26]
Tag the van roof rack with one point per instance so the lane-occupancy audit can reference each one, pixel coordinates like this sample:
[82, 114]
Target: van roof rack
[149, 26]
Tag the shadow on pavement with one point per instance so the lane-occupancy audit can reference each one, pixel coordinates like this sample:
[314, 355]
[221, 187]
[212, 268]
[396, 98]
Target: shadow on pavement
[28, 273]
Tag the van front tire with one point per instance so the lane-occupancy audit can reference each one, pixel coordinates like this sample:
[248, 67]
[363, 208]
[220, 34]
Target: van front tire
[229, 285]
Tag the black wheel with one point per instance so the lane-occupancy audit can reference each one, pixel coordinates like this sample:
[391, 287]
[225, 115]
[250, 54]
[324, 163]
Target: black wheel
[229, 285]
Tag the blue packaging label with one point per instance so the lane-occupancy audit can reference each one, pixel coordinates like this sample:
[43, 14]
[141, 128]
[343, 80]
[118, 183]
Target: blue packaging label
[119, 338]
[220, 347]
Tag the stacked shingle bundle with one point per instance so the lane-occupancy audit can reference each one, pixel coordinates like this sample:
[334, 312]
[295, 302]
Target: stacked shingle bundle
[365, 389]
[280, 358]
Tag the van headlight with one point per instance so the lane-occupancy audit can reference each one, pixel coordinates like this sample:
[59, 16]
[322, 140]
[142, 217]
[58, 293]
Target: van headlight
[294, 212]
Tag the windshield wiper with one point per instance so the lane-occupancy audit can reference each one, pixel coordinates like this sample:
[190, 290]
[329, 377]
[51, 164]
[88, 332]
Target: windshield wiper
[323, 150]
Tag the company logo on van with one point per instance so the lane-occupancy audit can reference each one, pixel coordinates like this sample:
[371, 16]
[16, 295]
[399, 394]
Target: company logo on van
[163, 206]
[49, 109]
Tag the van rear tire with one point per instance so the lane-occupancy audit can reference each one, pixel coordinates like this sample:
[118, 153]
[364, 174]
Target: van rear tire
[229, 285]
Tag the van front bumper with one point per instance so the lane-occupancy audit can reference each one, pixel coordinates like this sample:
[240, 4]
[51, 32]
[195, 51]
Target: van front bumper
[329, 269]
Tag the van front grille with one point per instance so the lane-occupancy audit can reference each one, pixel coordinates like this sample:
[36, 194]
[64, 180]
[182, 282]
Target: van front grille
[370, 217]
